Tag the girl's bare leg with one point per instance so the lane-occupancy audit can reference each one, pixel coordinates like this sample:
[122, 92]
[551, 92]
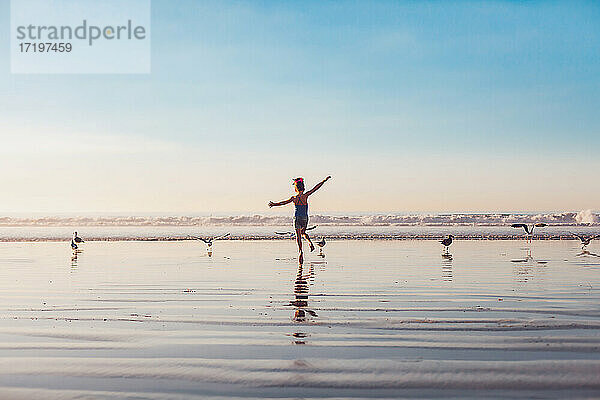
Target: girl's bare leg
[312, 246]
[299, 241]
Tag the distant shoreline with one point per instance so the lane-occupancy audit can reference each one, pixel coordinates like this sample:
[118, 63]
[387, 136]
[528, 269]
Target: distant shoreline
[581, 218]
[278, 238]
[284, 229]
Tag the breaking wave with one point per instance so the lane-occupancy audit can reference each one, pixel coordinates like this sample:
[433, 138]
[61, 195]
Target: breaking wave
[585, 217]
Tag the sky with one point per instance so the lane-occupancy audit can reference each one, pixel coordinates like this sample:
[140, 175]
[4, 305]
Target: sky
[411, 106]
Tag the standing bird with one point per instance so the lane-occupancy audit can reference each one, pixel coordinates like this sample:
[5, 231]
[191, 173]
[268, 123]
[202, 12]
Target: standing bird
[447, 242]
[77, 239]
[585, 240]
[209, 241]
[529, 229]
[321, 243]
[73, 245]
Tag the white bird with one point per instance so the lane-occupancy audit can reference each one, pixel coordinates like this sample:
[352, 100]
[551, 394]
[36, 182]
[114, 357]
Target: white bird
[77, 239]
[529, 229]
[209, 241]
[73, 245]
[585, 240]
[447, 242]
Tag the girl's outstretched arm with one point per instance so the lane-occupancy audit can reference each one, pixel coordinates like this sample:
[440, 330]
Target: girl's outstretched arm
[281, 203]
[318, 186]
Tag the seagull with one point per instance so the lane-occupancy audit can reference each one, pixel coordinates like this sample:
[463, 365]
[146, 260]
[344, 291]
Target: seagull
[447, 242]
[529, 228]
[73, 245]
[321, 243]
[293, 233]
[77, 239]
[585, 240]
[209, 241]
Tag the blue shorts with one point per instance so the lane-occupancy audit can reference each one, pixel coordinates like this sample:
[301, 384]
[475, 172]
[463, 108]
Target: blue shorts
[300, 222]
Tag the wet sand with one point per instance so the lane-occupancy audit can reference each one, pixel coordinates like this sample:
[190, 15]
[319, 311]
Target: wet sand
[379, 319]
[268, 232]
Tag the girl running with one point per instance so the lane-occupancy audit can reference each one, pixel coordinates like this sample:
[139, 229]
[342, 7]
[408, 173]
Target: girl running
[301, 215]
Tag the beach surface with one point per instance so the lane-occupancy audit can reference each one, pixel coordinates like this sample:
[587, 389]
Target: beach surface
[57, 233]
[369, 319]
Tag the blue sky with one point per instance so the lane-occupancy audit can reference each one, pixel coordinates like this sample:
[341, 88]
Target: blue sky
[439, 106]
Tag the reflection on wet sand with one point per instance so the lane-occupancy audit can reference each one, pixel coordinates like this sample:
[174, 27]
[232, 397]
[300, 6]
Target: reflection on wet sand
[75, 257]
[586, 253]
[165, 318]
[447, 267]
[587, 258]
[302, 313]
[525, 271]
[528, 259]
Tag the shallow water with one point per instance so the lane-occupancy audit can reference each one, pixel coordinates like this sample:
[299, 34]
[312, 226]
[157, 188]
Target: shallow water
[174, 232]
[374, 318]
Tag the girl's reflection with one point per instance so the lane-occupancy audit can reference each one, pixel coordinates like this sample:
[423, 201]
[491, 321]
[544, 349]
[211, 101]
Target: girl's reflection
[302, 313]
[300, 301]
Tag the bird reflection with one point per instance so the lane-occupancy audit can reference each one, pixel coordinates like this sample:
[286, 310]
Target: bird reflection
[524, 271]
[587, 253]
[302, 313]
[528, 259]
[75, 258]
[447, 267]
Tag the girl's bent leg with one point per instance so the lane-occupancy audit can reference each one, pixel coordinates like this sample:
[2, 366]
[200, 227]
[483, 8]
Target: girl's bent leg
[312, 246]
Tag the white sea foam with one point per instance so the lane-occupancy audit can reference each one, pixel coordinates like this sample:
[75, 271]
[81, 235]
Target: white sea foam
[586, 217]
[456, 219]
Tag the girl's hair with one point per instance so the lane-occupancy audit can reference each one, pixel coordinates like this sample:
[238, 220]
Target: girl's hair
[299, 183]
